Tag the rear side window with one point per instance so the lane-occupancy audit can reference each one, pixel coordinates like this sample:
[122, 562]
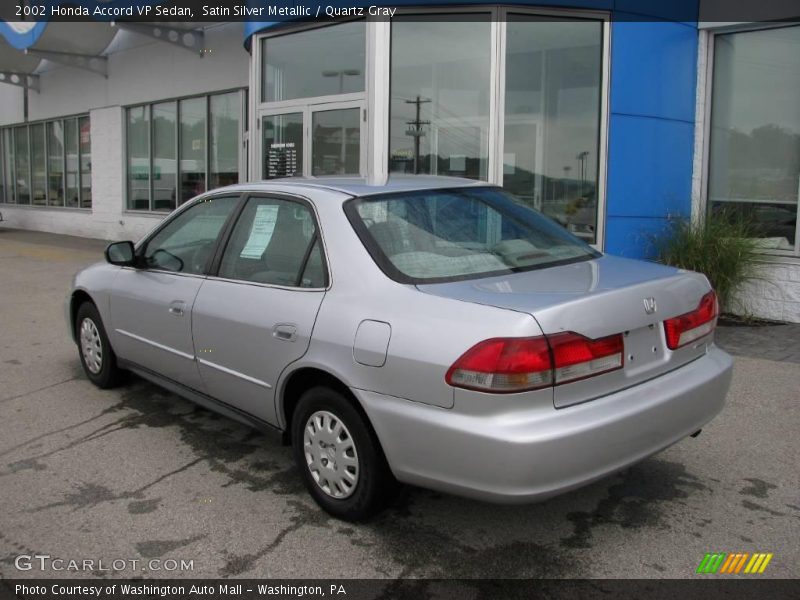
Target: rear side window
[445, 235]
[274, 241]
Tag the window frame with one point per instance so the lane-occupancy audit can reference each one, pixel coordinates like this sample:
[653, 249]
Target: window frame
[705, 92]
[11, 187]
[141, 246]
[213, 271]
[377, 100]
[148, 107]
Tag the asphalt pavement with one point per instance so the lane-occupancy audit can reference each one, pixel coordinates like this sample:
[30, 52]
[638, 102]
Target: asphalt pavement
[138, 476]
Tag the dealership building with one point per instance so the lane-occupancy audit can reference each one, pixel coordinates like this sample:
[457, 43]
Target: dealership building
[611, 116]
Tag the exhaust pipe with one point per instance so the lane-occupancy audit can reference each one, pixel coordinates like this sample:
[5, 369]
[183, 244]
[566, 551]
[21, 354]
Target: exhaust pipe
[696, 433]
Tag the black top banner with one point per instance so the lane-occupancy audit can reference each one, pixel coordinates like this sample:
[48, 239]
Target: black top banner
[200, 11]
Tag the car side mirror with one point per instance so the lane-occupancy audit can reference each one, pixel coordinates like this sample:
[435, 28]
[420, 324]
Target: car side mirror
[121, 254]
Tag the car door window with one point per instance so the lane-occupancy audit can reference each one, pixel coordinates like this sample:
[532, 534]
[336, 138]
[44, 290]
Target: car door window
[274, 241]
[186, 243]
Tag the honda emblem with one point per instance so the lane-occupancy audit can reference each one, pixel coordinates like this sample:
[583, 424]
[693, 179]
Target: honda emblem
[650, 305]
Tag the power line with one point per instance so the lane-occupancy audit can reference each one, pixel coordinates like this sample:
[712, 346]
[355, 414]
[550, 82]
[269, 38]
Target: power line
[415, 128]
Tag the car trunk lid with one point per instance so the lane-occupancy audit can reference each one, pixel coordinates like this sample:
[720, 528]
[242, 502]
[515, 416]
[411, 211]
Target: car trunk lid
[598, 298]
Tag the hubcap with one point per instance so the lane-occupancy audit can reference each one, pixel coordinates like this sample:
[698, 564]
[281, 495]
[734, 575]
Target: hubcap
[91, 346]
[331, 454]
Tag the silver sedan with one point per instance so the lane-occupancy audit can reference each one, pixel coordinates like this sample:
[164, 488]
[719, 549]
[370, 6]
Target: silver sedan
[431, 331]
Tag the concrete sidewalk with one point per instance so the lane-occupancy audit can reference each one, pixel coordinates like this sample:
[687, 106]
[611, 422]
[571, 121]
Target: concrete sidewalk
[136, 473]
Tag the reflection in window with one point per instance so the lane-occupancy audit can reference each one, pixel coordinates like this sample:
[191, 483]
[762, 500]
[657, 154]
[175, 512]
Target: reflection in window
[754, 158]
[3, 197]
[86, 162]
[8, 165]
[38, 165]
[552, 118]
[22, 174]
[282, 145]
[71, 145]
[165, 156]
[226, 110]
[55, 163]
[186, 243]
[138, 137]
[336, 142]
[185, 143]
[320, 62]
[193, 148]
[440, 74]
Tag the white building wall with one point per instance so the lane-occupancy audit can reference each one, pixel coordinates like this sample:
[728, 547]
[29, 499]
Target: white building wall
[773, 294]
[140, 69]
[11, 110]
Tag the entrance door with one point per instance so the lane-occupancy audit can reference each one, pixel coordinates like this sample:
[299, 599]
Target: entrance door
[313, 140]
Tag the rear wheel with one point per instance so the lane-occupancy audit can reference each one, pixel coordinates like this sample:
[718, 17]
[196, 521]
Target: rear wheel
[339, 457]
[98, 359]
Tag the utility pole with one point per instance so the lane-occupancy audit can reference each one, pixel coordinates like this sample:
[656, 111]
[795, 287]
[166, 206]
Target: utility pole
[415, 129]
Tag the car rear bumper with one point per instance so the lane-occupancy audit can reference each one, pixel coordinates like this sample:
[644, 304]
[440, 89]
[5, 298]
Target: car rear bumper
[535, 453]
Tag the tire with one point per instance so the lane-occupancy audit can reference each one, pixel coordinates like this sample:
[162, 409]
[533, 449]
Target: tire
[98, 359]
[359, 482]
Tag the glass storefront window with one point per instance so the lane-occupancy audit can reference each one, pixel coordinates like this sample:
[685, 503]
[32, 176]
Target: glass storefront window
[552, 118]
[193, 148]
[138, 167]
[39, 163]
[36, 135]
[754, 156]
[22, 174]
[165, 156]
[224, 127]
[71, 146]
[85, 139]
[319, 62]
[282, 145]
[336, 142]
[440, 93]
[180, 148]
[3, 187]
[55, 163]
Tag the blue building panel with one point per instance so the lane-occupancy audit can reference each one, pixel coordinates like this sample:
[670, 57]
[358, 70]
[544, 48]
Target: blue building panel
[634, 237]
[649, 167]
[653, 69]
[651, 131]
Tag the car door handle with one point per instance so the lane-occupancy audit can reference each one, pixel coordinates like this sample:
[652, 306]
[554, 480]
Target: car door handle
[176, 307]
[285, 331]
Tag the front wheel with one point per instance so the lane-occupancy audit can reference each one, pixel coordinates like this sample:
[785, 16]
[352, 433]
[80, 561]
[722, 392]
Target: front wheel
[339, 457]
[98, 359]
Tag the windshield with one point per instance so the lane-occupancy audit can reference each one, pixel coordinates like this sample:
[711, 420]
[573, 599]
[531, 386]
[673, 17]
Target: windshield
[450, 234]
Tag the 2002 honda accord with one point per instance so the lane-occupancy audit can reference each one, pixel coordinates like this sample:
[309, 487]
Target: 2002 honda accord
[430, 331]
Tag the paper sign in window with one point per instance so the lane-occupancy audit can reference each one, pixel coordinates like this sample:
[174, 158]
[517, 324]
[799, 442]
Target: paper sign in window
[261, 231]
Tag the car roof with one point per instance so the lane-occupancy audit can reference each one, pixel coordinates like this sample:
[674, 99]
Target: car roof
[359, 186]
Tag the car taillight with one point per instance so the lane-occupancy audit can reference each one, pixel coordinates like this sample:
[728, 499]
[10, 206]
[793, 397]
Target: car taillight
[504, 365]
[577, 357]
[520, 364]
[686, 328]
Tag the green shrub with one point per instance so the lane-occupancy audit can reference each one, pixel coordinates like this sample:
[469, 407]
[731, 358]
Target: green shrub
[723, 247]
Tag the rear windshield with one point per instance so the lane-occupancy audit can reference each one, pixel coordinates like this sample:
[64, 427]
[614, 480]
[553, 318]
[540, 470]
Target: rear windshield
[446, 235]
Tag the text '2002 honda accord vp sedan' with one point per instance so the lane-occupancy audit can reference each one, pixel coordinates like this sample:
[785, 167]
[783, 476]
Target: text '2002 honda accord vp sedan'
[430, 331]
